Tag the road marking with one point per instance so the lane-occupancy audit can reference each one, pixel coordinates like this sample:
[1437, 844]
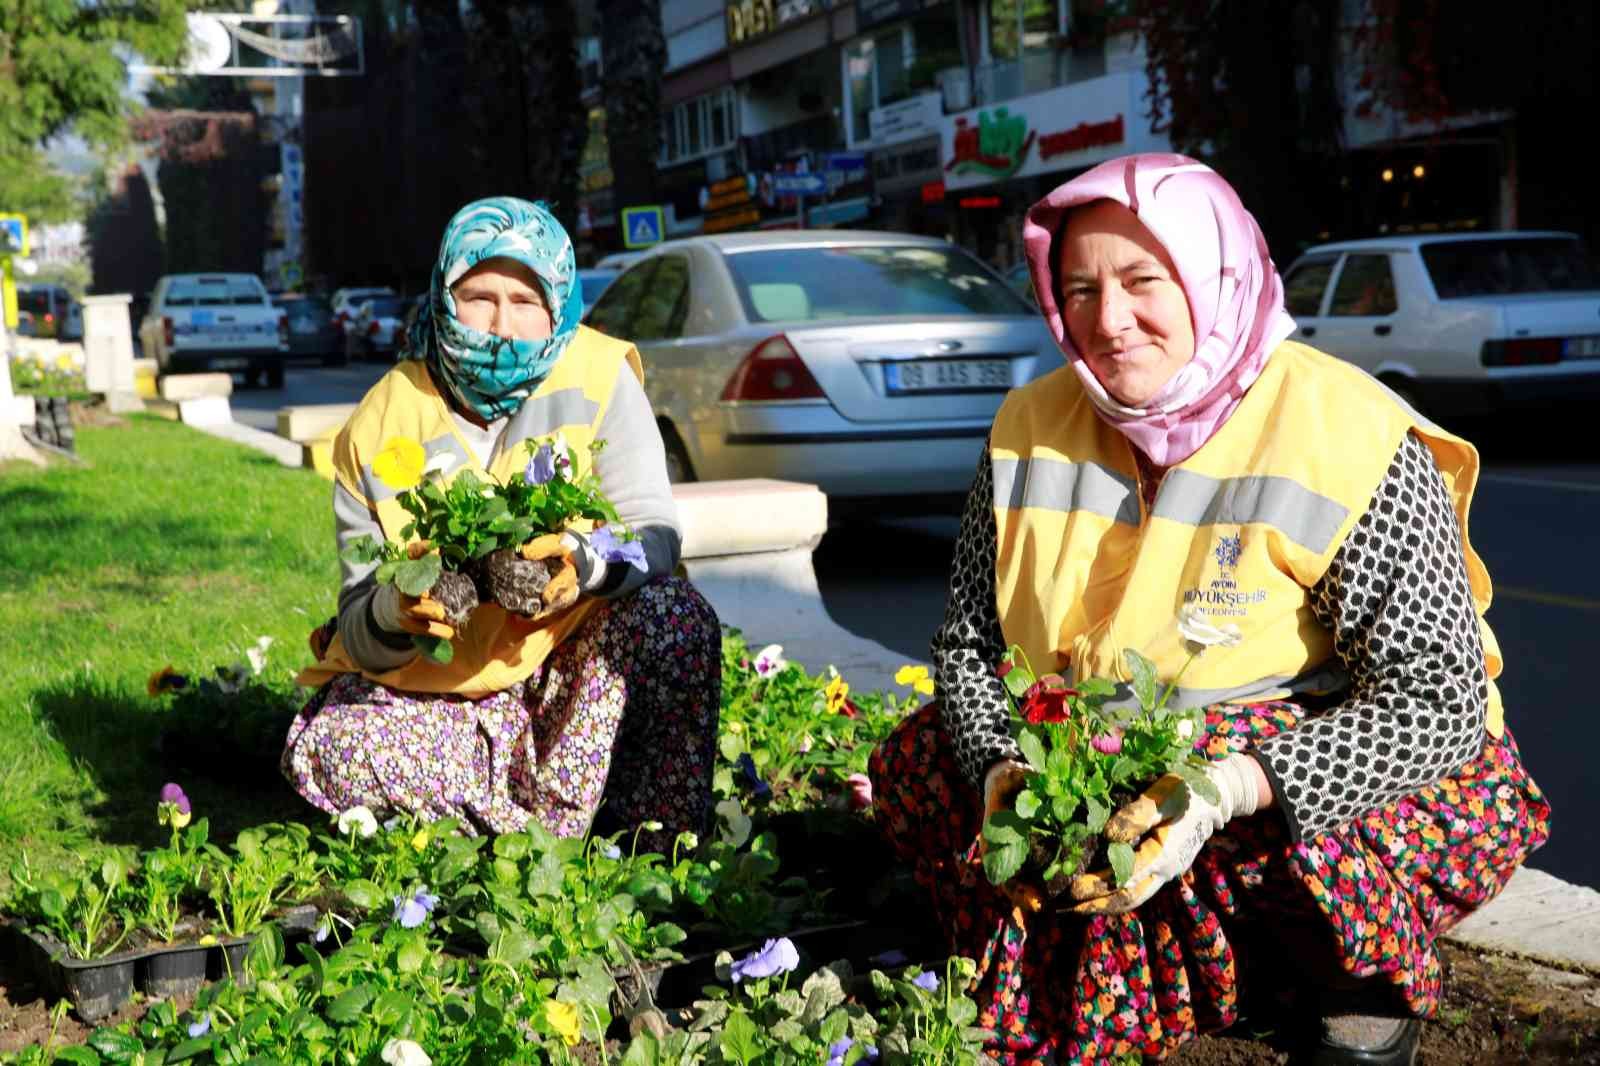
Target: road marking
[1549, 599]
[1542, 483]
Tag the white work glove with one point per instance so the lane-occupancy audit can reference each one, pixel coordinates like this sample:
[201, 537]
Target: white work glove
[591, 568]
[1000, 787]
[1177, 831]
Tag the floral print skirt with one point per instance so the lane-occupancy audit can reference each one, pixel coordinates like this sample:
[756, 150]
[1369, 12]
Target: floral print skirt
[1363, 903]
[620, 719]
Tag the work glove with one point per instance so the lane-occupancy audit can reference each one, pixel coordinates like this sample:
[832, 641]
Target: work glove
[1000, 787]
[562, 590]
[1178, 822]
[591, 567]
[396, 612]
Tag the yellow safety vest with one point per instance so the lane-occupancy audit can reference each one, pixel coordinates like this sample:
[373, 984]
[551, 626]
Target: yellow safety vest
[1242, 529]
[571, 400]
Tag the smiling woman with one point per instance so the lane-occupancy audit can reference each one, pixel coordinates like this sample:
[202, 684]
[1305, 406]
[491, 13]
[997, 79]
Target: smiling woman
[1191, 478]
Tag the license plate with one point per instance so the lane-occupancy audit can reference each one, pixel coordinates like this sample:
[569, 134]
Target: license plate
[229, 364]
[1583, 348]
[948, 375]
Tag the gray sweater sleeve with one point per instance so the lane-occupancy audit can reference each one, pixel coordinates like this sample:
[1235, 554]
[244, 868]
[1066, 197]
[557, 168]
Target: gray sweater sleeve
[375, 649]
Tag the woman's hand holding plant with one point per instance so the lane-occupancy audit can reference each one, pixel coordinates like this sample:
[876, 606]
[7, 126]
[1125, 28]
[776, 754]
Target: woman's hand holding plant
[399, 612]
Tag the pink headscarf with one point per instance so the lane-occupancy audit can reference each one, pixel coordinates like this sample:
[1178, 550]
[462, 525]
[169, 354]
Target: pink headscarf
[1235, 294]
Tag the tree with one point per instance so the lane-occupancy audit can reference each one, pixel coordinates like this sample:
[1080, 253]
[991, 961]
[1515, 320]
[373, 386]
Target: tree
[633, 51]
[125, 250]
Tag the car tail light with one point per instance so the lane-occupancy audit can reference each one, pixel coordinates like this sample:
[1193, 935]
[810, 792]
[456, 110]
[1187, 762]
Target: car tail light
[1528, 352]
[283, 329]
[372, 328]
[338, 323]
[772, 371]
[167, 330]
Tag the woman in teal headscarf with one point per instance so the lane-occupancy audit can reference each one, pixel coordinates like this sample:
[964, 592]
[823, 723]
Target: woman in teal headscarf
[608, 706]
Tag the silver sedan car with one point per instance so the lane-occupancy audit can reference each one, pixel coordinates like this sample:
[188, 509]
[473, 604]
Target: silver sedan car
[869, 364]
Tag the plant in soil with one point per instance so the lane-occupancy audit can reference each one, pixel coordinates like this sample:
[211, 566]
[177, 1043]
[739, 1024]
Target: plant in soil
[87, 913]
[468, 539]
[271, 865]
[1086, 759]
[169, 879]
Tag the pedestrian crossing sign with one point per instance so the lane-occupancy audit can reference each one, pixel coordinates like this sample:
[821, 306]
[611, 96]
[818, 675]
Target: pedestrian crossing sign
[643, 226]
[13, 234]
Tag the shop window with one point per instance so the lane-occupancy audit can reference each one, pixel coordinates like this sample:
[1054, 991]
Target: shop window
[1365, 289]
[1303, 288]
[699, 127]
[1033, 45]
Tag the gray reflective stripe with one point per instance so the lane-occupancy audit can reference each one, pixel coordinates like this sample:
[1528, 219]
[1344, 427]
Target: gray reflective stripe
[1326, 678]
[377, 491]
[1306, 518]
[541, 416]
[1051, 485]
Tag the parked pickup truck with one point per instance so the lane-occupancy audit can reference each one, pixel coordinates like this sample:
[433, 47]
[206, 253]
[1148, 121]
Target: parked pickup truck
[216, 322]
[1467, 323]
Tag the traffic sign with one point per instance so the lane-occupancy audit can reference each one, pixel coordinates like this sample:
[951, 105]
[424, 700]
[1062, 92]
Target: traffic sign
[643, 226]
[13, 235]
[799, 184]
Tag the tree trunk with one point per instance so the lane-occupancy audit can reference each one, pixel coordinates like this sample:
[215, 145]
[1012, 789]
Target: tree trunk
[633, 51]
[553, 120]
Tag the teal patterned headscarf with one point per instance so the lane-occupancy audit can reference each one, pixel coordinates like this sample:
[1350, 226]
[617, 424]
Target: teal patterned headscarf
[484, 373]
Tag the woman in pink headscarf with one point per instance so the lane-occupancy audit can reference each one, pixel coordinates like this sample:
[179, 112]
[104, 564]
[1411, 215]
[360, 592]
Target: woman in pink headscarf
[1189, 460]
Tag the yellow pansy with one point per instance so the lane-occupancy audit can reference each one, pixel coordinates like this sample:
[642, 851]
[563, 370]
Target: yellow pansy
[64, 362]
[563, 1017]
[917, 677]
[836, 692]
[399, 464]
[420, 841]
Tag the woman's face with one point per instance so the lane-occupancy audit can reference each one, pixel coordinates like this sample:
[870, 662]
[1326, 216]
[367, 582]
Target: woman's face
[1122, 303]
[502, 296]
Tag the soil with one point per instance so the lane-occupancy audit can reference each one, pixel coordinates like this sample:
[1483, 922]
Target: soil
[457, 594]
[513, 582]
[1496, 1010]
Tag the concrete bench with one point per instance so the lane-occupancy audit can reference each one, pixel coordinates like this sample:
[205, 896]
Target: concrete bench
[177, 387]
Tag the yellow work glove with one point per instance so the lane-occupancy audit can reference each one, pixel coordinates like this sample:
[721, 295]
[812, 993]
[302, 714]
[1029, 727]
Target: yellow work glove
[1175, 823]
[562, 590]
[1000, 787]
[420, 616]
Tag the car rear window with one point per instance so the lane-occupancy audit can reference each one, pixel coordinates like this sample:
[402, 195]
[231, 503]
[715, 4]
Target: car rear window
[867, 281]
[388, 306]
[215, 292]
[1507, 267]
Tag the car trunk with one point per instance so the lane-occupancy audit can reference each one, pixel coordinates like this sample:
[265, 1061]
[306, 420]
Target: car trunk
[1543, 314]
[943, 368]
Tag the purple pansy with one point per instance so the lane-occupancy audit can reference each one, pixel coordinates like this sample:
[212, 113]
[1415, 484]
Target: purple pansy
[411, 911]
[200, 1028]
[613, 549]
[171, 793]
[775, 957]
[841, 1047]
[542, 467]
[758, 788]
[928, 981]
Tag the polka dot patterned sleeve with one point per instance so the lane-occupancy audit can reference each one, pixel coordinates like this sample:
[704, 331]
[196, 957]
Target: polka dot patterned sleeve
[967, 647]
[1397, 601]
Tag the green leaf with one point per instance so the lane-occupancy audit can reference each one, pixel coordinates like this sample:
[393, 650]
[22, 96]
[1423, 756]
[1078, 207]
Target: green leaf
[1027, 804]
[113, 1044]
[1001, 862]
[1197, 780]
[389, 1008]
[1121, 856]
[1098, 813]
[79, 1054]
[349, 1005]
[740, 1037]
[1146, 689]
[1063, 807]
[415, 577]
[643, 1051]
[1005, 827]
[363, 893]
[411, 956]
[436, 648]
[963, 1011]
[1032, 750]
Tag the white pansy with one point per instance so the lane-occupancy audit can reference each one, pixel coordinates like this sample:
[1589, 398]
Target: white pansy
[358, 819]
[1200, 633]
[770, 660]
[405, 1053]
[1186, 728]
[258, 654]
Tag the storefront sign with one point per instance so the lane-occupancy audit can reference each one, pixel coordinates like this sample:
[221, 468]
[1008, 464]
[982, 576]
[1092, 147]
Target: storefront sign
[905, 119]
[1072, 126]
[729, 205]
[749, 19]
[870, 13]
[906, 166]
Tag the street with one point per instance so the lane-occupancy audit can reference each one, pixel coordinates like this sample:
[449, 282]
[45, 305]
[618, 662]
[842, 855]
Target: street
[1533, 518]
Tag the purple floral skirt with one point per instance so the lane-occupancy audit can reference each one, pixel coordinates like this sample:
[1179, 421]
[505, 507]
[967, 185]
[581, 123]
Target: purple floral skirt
[622, 714]
[1364, 901]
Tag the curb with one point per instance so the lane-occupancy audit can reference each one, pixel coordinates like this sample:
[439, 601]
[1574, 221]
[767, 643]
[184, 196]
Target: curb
[1538, 917]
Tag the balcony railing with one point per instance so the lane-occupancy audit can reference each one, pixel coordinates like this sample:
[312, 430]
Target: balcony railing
[1034, 72]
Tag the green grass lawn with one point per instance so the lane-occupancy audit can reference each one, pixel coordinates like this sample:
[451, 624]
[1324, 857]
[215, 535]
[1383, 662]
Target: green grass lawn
[165, 547]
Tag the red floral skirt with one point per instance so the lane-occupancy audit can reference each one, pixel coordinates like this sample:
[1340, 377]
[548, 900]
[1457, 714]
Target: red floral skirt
[1369, 897]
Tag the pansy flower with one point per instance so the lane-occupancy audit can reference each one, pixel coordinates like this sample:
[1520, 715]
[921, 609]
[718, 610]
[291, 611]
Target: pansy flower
[172, 806]
[400, 463]
[775, 957]
[563, 1018]
[613, 549]
[917, 677]
[411, 911]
